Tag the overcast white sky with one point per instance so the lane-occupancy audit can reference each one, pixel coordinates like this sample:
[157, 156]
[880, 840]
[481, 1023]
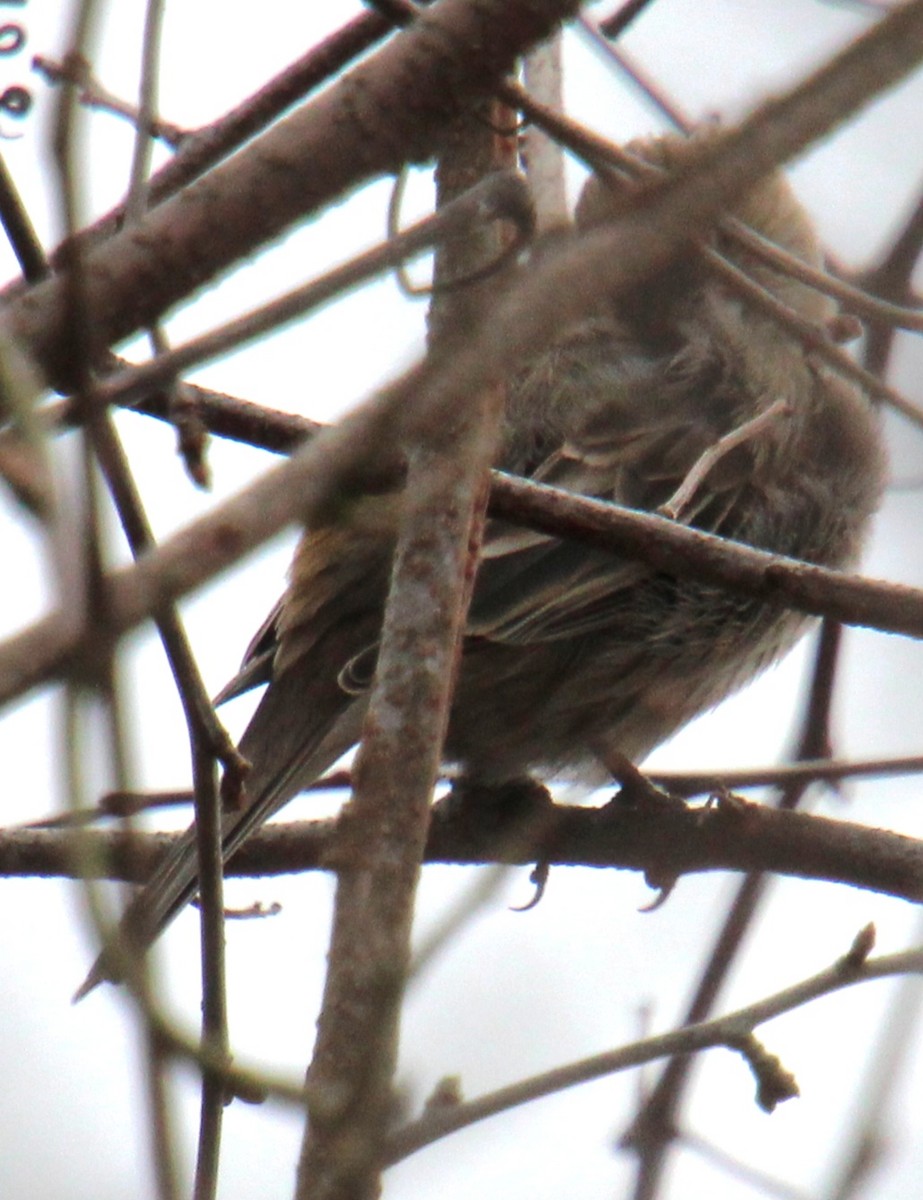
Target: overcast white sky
[516, 993]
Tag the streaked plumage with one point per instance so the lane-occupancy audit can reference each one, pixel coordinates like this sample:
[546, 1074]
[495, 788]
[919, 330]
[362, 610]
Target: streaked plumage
[572, 652]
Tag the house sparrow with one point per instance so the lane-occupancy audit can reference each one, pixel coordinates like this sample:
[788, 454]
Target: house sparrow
[683, 398]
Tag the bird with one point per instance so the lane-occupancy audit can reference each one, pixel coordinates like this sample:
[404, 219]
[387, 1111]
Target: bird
[682, 398]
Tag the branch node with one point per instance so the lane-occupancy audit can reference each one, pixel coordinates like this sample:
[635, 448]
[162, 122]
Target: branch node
[773, 1082]
[863, 944]
[446, 1094]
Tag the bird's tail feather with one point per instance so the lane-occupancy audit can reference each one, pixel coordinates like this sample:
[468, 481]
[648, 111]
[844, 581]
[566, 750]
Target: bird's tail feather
[303, 725]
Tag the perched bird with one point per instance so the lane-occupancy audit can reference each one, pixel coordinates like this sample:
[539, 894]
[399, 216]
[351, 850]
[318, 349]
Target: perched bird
[683, 398]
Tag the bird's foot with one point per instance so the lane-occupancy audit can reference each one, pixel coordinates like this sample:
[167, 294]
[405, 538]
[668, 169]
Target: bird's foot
[636, 791]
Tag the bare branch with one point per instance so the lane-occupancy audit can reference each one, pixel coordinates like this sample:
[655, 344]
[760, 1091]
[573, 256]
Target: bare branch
[729, 836]
[725, 1031]
[387, 111]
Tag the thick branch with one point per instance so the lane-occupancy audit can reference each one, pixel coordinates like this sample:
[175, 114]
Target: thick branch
[386, 111]
[605, 262]
[198, 553]
[396, 768]
[662, 844]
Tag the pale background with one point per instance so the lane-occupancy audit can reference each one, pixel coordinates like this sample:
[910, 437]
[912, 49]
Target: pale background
[516, 993]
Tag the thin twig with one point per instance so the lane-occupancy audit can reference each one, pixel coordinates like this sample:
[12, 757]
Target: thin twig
[196, 554]
[500, 197]
[601, 263]
[613, 27]
[655, 1125]
[223, 415]
[207, 738]
[392, 107]
[616, 56]
[855, 299]
[93, 676]
[214, 985]
[891, 278]
[256, 205]
[205, 147]
[254, 1085]
[690, 1038]
[816, 770]
[18, 227]
[93, 95]
[687, 784]
[597, 153]
[888, 1060]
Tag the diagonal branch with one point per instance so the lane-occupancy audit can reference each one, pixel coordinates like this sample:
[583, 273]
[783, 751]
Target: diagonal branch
[730, 1031]
[336, 457]
[360, 452]
[387, 111]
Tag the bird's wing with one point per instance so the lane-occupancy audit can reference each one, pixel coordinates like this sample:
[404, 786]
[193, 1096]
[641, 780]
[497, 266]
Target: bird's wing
[656, 423]
[637, 452]
[256, 665]
[305, 721]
